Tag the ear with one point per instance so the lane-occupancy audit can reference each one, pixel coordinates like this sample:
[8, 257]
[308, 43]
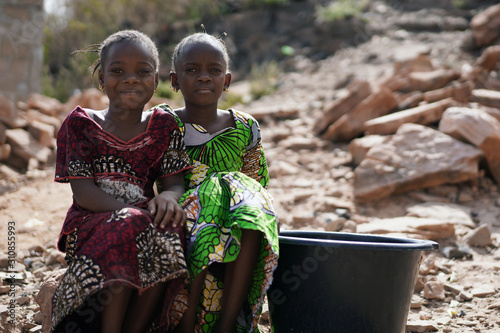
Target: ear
[173, 80]
[100, 77]
[227, 80]
[157, 79]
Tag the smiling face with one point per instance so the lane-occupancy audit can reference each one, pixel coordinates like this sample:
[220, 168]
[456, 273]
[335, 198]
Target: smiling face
[129, 76]
[201, 75]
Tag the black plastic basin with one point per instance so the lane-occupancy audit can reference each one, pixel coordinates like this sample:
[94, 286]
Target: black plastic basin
[343, 282]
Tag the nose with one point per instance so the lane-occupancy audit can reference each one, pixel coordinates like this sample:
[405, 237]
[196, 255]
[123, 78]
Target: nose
[130, 78]
[204, 76]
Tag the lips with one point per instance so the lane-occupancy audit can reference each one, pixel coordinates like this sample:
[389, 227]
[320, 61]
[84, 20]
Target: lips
[204, 90]
[131, 92]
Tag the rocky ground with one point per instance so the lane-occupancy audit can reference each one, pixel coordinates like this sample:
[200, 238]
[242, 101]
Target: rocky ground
[458, 289]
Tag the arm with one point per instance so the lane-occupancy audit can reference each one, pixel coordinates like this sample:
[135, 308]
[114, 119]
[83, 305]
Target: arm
[88, 195]
[165, 206]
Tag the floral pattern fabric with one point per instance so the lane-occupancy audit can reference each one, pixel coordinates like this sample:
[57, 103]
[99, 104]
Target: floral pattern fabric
[107, 251]
[227, 193]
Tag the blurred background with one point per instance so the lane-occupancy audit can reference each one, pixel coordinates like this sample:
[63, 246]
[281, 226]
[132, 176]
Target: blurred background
[264, 37]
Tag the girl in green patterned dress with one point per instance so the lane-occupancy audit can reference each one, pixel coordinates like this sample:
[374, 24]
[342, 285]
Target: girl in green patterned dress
[232, 229]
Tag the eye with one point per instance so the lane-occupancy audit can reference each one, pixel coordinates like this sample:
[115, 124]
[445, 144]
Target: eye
[216, 70]
[190, 69]
[115, 70]
[145, 71]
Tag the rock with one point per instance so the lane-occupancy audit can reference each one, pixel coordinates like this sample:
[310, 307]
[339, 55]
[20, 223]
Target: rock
[37, 248]
[479, 128]
[47, 105]
[489, 58]
[283, 168]
[480, 236]
[427, 265]
[32, 115]
[412, 59]
[281, 111]
[415, 157]
[90, 98]
[434, 290]
[350, 226]
[23, 300]
[495, 305]
[451, 213]
[424, 115]
[55, 257]
[486, 25]
[357, 91]
[38, 318]
[327, 203]
[483, 290]
[492, 155]
[421, 326]
[44, 297]
[5, 150]
[360, 146]
[350, 125]
[411, 100]
[42, 132]
[457, 252]
[7, 109]
[425, 81]
[26, 147]
[35, 329]
[486, 97]
[297, 143]
[459, 92]
[425, 228]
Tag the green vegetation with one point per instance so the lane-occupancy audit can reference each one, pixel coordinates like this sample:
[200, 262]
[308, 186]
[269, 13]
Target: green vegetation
[263, 79]
[341, 9]
[229, 100]
[460, 4]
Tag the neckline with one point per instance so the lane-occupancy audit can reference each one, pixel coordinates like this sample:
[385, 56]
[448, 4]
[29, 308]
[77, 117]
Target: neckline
[209, 133]
[153, 114]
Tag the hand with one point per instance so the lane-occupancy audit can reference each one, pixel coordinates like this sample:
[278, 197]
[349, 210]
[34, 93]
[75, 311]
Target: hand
[165, 209]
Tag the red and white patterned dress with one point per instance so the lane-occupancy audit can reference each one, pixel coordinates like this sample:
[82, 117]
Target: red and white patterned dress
[116, 248]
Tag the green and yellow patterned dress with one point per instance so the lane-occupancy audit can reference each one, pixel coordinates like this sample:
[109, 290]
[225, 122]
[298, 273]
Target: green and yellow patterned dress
[226, 192]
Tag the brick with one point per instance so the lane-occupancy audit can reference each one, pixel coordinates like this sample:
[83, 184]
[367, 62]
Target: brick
[5, 150]
[44, 133]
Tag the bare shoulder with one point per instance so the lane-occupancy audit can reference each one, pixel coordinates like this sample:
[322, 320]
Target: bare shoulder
[226, 118]
[96, 115]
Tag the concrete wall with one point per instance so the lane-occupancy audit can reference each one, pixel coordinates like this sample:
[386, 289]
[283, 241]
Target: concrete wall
[21, 48]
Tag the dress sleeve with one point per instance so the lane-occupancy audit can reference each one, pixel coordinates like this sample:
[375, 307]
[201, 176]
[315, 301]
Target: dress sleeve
[175, 159]
[254, 159]
[73, 150]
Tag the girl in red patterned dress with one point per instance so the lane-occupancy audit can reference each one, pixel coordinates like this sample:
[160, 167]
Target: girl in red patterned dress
[123, 244]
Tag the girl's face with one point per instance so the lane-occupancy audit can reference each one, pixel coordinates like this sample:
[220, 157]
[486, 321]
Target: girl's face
[129, 76]
[201, 75]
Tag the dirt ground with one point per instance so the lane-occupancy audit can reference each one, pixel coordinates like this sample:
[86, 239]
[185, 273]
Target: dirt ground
[301, 179]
